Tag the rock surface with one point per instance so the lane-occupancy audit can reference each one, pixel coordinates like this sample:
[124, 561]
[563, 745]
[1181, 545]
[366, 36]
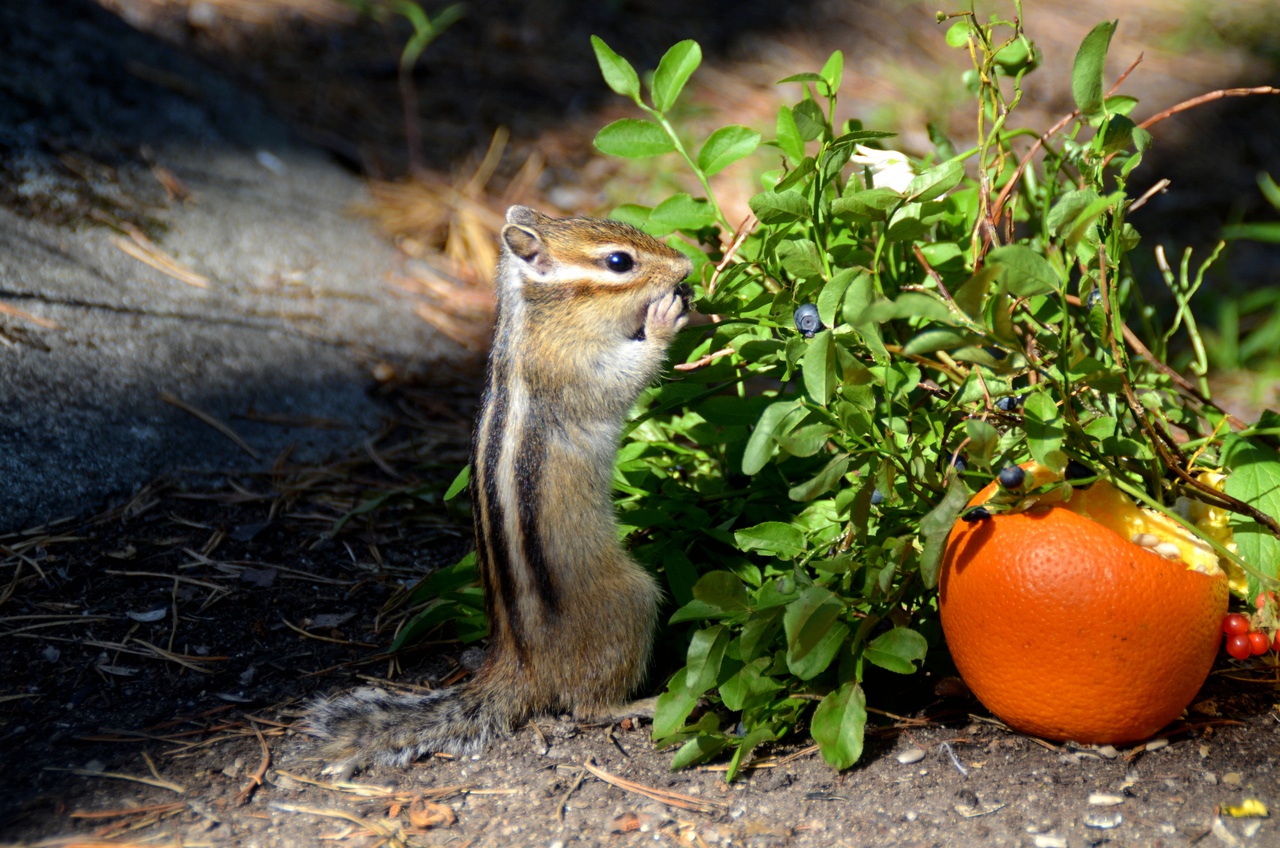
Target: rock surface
[292, 312]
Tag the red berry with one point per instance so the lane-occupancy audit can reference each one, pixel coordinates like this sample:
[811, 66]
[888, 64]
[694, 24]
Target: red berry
[1275, 646]
[1239, 646]
[1236, 624]
[1259, 642]
[1261, 600]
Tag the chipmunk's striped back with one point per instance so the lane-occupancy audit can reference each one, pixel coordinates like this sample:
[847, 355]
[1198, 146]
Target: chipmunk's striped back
[586, 310]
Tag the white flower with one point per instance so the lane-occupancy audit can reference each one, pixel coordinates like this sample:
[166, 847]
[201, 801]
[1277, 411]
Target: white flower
[889, 168]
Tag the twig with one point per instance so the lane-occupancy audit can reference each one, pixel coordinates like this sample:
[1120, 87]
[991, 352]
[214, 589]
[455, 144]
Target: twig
[673, 799]
[564, 799]
[159, 783]
[295, 628]
[27, 316]
[1148, 194]
[145, 251]
[1042, 140]
[211, 421]
[1143, 351]
[1207, 98]
[703, 361]
[255, 779]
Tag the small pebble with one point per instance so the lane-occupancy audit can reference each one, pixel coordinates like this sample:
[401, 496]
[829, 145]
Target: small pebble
[1099, 799]
[1233, 778]
[1168, 550]
[1049, 840]
[911, 755]
[1209, 778]
[1157, 744]
[1251, 828]
[1103, 821]
[1146, 540]
[1108, 751]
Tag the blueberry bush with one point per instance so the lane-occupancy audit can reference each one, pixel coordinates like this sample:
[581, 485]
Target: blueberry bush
[887, 334]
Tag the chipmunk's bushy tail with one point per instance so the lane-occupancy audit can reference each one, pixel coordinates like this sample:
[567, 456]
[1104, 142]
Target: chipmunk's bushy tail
[375, 726]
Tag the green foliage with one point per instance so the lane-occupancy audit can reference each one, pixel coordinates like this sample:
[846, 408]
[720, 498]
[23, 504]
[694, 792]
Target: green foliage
[979, 308]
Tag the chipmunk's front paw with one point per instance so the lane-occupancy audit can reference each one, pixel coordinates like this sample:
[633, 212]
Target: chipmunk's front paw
[666, 316]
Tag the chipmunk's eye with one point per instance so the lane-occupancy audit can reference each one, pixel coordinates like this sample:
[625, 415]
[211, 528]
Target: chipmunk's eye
[619, 262]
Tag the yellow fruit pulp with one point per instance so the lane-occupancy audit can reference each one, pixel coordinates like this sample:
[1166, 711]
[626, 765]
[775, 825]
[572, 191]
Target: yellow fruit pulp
[1103, 503]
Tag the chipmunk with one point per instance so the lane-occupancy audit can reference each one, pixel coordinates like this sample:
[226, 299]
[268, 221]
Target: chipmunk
[586, 311]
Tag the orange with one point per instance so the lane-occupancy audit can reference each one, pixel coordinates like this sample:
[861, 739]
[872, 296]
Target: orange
[1065, 629]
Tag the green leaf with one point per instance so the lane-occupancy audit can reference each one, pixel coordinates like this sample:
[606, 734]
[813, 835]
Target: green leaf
[809, 119]
[673, 706]
[820, 484]
[682, 212]
[801, 259]
[1026, 272]
[939, 338]
[699, 749]
[871, 204]
[726, 146]
[634, 139]
[789, 140]
[897, 650]
[1117, 135]
[814, 632]
[1254, 479]
[617, 71]
[459, 483]
[749, 681]
[1267, 231]
[776, 537]
[820, 368]
[760, 445]
[702, 662]
[838, 725]
[753, 740]
[1067, 208]
[806, 76]
[1087, 72]
[721, 589]
[1269, 189]
[936, 181]
[1044, 430]
[936, 526]
[958, 33]
[832, 72]
[673, 72]
[781, 207]
[983, 440]
[973, 291]
[758, 632]
[832, 293]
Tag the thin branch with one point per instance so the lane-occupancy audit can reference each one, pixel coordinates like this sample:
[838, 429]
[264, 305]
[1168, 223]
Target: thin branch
[1207, 98]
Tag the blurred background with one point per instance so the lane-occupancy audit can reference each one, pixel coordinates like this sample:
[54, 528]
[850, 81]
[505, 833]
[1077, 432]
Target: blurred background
[502, 99]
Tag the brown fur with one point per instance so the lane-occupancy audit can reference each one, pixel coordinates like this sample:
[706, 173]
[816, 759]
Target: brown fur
[571, 614]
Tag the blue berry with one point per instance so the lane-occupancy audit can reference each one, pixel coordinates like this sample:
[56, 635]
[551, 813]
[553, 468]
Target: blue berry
[958, 463]
[996, 353]
[1093, 299]
[877, 497]
[1077, 471]
[1012, 477]
[1009, 403]
[978, 513]
[807, 320]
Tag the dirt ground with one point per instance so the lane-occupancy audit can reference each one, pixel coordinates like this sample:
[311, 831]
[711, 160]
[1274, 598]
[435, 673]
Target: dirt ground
[156, 662]
[156, 658]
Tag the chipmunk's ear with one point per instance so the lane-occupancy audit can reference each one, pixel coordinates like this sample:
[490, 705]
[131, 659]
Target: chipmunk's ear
[525, 244]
